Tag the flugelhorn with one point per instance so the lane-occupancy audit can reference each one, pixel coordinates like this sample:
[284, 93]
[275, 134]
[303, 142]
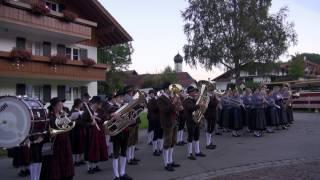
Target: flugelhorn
[63, 124]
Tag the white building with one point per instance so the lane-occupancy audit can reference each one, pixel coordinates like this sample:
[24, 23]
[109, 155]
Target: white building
[49, 34]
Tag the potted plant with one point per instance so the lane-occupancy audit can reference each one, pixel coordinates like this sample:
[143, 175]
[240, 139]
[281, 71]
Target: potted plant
[69, 16]
[39, 8]
[21, 55]
[58, 59]
[88, 62]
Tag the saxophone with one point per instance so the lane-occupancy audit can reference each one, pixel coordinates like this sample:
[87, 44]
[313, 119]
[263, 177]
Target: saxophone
[203, 99]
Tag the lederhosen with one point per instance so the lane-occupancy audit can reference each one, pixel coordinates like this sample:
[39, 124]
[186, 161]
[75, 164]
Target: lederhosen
[211, 114]
[153, 114]
[236, 122]
[167, 120]
[120, 141]
[189, 105]
[60, 164]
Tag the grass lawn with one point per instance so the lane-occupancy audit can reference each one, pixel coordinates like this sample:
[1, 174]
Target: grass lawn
[144, 121]
[3, 152]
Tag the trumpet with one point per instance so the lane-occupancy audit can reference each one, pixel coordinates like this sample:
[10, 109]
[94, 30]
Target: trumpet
[63, 124]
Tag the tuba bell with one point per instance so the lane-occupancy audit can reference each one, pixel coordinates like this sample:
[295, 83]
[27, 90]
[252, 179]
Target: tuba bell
[126, 115]
[63, 124]
[203, 99]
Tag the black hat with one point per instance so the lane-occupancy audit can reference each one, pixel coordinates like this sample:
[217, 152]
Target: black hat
[53, 102]
[96, 99]
[191, 89]
[151, 91]
[165, 85]
[86, 95]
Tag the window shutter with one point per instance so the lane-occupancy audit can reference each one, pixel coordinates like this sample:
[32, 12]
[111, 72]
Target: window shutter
[46, 49]
[83, 90]
[20, 89]
[46, 93]
[21, 43]
[62, 92]
[61, 49]
[83, 54]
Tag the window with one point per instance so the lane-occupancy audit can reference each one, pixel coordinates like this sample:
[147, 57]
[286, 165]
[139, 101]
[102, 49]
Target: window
[75, 54]
[37, 49]
[52, 6]
[61, 49]
[76, 93]
[46, 93]
[21, 43]
[37, 92]
[68, 53]
[29, 90]
[47, 49]
[68, 94]
[83, 53]
[61, 92]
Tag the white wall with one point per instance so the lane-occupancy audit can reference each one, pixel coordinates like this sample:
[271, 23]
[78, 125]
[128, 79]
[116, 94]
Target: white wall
[221, 85]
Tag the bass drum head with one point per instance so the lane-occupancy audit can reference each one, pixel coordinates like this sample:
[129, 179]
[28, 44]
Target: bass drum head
[15, 121]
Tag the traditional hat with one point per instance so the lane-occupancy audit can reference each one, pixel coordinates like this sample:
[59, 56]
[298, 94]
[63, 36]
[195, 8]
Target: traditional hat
[191, 89]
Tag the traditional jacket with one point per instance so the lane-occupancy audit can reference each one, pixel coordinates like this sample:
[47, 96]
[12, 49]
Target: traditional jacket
[166, 111]
[189, 106]
[211, 112]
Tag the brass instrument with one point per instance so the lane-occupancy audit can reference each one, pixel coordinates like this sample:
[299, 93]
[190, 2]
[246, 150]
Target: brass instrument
[175, 89]
[204, 100]
[234, 102]
[91, 116]
[63, 123]
[126, 115]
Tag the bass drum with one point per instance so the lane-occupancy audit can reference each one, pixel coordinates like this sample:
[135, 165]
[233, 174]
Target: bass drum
[21, 118]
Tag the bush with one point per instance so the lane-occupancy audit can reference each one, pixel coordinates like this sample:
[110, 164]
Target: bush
[88, 62]
[39, 8]
[20, 54]
[69, 16]
[58, 59]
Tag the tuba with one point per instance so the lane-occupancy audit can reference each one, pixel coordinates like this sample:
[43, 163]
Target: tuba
[203, 99]
[127, 115]
[63, 124]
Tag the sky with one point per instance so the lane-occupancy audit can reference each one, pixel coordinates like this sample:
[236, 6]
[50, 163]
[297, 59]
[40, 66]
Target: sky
[157, 29]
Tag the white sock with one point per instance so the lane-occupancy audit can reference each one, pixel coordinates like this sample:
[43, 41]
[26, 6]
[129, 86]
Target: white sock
[74, 158]
[170, 159]
[165, 156]
[178, 136]
[38, 171]
[189, 148]
[89, 166]
[123, 162]
[129, 153]
[211, 139]
[115, 165]
[160, 143]
[181, 136]
[197, 147]
[208, 139]
[133, 151]
[154, 146]
[107, 140]
[33, 171]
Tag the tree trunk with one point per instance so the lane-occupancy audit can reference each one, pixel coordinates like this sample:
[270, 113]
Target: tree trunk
[237, 72]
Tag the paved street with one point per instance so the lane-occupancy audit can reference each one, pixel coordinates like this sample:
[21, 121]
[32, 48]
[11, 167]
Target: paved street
[275, 156]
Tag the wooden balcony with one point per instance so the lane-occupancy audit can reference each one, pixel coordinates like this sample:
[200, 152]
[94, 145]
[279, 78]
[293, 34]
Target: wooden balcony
[17, 16]
[40, 68]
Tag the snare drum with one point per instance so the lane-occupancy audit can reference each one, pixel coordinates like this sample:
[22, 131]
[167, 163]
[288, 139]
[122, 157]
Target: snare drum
[21, 118]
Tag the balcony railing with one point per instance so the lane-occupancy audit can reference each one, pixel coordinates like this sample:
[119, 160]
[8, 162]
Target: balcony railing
[18, 14]
[40, 68]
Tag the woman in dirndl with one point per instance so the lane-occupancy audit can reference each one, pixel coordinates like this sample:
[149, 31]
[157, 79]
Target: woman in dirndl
[260, 118]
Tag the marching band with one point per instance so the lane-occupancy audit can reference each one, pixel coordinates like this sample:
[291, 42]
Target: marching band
[171, 110]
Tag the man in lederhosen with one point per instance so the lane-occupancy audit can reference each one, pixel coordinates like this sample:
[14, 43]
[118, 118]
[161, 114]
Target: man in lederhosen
[151, 95]
[211, 117]
[133, 130]
[189, 105]
[153, 115]
[167, 113]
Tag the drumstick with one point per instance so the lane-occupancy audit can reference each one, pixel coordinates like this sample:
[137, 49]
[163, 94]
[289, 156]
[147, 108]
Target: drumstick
[90, 113]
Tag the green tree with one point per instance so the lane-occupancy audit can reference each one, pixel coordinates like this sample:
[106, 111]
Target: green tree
[234, 32]
[297, 67]
[118, 59]
[156, 80]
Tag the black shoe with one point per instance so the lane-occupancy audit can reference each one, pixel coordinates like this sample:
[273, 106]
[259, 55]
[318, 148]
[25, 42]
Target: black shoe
[136, 149]
[22, 174]
[27, 171]
[235, 135]
[125, 177]
[179, 144]
[200, 154]
[91, 171]
[218, 133]
[160, 152]
[131, 162]
[174, 165]
[150, 143]
[156, 153]
[211, 146]
[97, 169]
[184, 142]
[111, 156]
[169, 168]
[82, 163]
[116, 178]
[135, 159]
[191, 157]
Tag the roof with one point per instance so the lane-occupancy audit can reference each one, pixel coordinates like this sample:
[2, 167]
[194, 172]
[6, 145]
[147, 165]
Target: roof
[182, 78]
[109, 30]
[178, 58]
